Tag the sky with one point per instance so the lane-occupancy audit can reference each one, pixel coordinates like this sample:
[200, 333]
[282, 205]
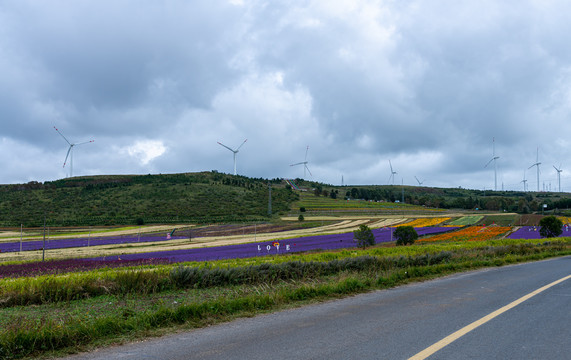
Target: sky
[438, 88]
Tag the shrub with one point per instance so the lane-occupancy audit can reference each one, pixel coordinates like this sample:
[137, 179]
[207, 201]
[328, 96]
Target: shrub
[300, 217]
[405, 235]
[550, 227]
[364, 236]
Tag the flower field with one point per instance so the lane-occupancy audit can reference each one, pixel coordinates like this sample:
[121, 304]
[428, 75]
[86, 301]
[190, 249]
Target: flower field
[249, 250]
[308, 243]
[472, 233]
[423, 222]
[80, 242]
[532, 232]
[467, 220]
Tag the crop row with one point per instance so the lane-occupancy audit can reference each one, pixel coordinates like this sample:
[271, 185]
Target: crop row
[422, 222]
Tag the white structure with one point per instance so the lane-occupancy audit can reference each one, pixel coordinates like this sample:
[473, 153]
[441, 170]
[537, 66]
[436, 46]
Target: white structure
[304, 163]
[393, 173]
[494, 158]
[420, 182]
[537, 163]
[70, 152]
[234, 151]
[558, 175]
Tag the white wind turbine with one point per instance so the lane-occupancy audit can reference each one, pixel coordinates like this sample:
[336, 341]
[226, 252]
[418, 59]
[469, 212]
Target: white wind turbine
[524, 181]
[420, 182]
[234, 151]
[304, 163]
[537, 163]
[559, 170]
[494, 158]
[70, 152]
[393, 173]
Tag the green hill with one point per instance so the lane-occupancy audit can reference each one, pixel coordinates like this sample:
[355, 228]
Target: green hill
[210, 197]
[109, 200]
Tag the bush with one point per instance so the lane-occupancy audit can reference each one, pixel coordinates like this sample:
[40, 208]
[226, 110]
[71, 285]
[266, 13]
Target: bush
[550, 227]
[364, 236]
[302, 209]
[300, 217]
[405, 235]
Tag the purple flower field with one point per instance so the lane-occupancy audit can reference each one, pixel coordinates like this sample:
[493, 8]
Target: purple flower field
[310, 243]
[532, 232]
[80, 242]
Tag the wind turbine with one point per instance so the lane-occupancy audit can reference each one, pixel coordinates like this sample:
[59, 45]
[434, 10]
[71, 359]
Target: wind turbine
[420, 182]
[537, 163]
[70, 152]
[494, 158]
[234, 151]
[524, 181]
[304, 163]
[393, 173]
[558, 175]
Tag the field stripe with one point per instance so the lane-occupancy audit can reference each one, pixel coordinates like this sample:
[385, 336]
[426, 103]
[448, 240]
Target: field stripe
[458, 334]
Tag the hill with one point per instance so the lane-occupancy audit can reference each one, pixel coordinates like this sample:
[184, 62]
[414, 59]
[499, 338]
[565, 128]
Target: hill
[210, 197]
[131, 199]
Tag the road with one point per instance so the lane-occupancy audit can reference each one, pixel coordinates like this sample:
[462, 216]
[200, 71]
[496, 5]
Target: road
[397, 323]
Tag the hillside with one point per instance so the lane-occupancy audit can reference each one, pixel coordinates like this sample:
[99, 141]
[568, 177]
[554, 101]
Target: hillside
[110, 200]
[210, 197]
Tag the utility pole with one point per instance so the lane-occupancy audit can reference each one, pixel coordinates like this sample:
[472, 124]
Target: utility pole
[269, 198]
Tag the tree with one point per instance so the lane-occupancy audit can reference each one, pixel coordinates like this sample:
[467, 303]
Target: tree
[364, 236]
[550, 227]
[300, 217]
[405, 235]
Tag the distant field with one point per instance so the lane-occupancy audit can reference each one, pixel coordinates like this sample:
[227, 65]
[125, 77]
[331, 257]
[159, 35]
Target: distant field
[467, 220]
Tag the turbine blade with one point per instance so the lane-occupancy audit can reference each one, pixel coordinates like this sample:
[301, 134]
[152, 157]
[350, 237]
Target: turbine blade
[300, 163]
[241, 145]
[225, 146]
[488, 163]
[308, 170]
[67, 155]
[391, 165]
[85, 142]
[306, 150]
[62, 136]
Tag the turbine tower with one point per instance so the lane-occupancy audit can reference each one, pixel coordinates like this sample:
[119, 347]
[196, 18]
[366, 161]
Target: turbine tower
[420, 182]
[558, 175]
[234, 151]
[537, 163]
[304, 163]
[494, 158]
[70, 151]
[393, 173]
[524, 181]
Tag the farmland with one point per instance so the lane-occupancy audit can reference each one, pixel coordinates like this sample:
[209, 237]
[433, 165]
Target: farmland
[106, 280]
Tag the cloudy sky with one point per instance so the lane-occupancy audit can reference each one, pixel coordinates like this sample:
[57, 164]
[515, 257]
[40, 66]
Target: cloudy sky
[425, 84]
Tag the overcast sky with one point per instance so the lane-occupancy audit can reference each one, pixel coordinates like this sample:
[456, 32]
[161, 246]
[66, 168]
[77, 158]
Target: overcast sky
[424, 84]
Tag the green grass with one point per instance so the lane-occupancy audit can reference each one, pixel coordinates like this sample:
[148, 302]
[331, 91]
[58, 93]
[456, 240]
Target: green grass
[466, 220]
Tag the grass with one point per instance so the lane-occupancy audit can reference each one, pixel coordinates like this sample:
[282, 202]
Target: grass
[139, 307]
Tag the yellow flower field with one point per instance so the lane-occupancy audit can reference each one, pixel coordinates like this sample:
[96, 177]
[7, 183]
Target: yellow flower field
[423, 222]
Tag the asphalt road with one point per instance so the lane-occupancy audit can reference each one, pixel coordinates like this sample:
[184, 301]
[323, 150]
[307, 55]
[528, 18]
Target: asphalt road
[396, 323]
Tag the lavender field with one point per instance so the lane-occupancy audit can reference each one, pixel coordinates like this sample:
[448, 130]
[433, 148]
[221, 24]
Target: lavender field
[309, 243]
[532, 232]
[81, 242]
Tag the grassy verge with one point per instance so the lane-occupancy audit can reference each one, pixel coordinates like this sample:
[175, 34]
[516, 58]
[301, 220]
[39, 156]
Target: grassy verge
[76, 311]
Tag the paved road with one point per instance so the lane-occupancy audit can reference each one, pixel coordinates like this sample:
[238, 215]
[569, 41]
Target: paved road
[396, 323]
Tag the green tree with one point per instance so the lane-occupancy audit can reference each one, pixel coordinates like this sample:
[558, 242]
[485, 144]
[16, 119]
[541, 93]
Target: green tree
[405, 235]
[364, 236]
[300, 217]
[550, 227]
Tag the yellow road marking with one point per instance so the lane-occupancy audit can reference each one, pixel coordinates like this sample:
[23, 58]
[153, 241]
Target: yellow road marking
[466, 329]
